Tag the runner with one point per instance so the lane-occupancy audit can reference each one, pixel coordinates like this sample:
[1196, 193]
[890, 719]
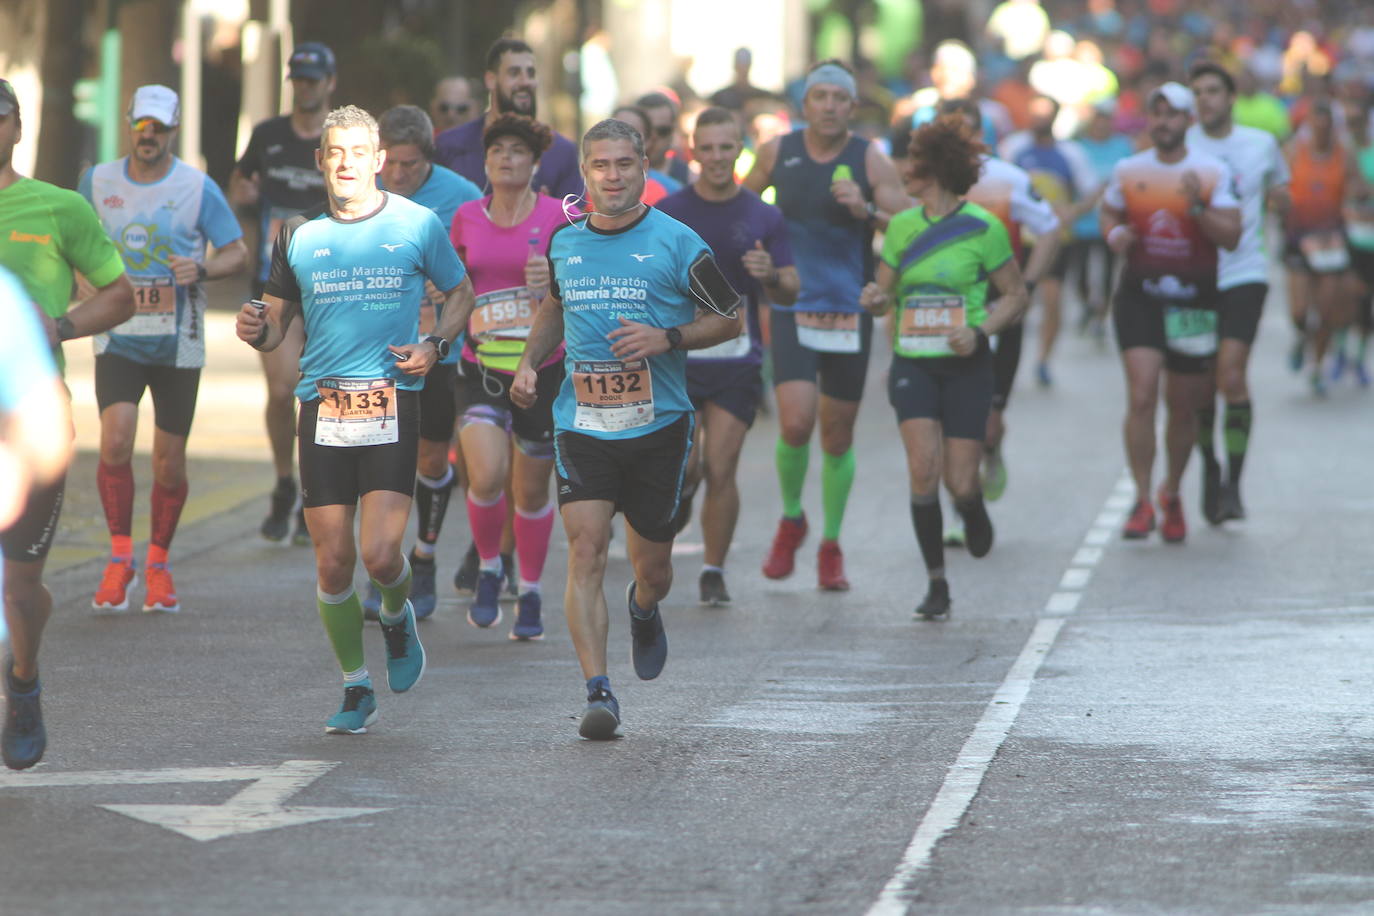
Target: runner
[1089, 257]
[725, 383]
[1007, 193]
[662, 111]
[1359, 225]
[940, 256]
[1321, 284]
[407, 137]
[627, 290]
[1166, 210]
[503, 240]
[1261, 177]
[453, 103]
[161, 213]
[1062, 175]
[512, 87]
[278, 175]
[833, 188]
[46, 235]
[355, 274]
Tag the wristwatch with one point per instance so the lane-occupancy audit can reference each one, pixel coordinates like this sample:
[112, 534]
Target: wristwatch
[674, 338]
[441, 344]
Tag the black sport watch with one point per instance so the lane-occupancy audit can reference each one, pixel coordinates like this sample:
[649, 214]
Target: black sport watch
[441, 344]
[674, 338]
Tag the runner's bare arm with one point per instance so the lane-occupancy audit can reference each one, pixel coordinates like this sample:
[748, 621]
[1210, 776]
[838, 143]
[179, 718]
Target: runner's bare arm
[1042, 256]
[889, 197]
[876, 296]
[264, 330]
[545, 334]
[225, 262]
[111, 305]
[761, 174]
[1117, 232]
[458, 304]
[633, 340]
[1012, 304]
[780, 284]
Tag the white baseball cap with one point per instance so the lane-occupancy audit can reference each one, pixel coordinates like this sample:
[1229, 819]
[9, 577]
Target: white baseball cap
[1178, 96]
[156, 102]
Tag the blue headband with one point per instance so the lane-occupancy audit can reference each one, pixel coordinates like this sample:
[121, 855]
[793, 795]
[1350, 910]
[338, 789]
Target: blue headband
[834, 75]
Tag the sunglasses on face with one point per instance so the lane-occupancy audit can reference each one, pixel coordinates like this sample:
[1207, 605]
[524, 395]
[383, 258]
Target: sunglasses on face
[143, 124]
[458, 108]
[664, 130]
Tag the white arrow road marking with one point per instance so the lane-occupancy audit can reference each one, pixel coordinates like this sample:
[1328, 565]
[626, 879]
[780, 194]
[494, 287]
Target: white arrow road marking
[257, 807]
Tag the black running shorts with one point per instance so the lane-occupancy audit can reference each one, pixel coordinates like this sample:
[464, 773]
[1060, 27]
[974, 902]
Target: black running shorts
[841, 375]
[956, 390]
[30, 537]
[1240, 308]
[732, 386]
[119, 380]
[641, 476]
[1139, 322]
[486, 399]
[438, 403]
[334, 476]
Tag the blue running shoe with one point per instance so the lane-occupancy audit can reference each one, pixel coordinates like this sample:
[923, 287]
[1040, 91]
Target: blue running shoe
[359, 710]
[1042, 375]
[405, 657]
[601, 718]
[648, 642]
[528, 624]
[372, 603]
[422, 586]
[486, 607]
[1338, 362]
[23, 739]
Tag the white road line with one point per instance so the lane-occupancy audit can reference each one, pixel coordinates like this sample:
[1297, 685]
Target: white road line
[965, 776]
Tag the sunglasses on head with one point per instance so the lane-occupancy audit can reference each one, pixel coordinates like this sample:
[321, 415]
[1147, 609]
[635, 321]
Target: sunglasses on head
[142, 124]
[456, 108]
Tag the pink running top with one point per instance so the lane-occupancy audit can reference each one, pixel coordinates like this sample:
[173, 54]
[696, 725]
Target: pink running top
[495, 257]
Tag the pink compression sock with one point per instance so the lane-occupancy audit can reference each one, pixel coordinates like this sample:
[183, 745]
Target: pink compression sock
[487, 522]
[532, 534]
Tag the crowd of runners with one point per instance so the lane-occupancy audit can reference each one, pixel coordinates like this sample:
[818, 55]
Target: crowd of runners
[466, 299]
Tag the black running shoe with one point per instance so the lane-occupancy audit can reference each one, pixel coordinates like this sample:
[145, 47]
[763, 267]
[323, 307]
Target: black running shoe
[23, 738]
[465, 579]
[601, 718]
[277, 525]
[1211, 492]
[712, 585]
[1229, 505]
[936, 604]
[648, 642]
[977, 528]
[302, 536]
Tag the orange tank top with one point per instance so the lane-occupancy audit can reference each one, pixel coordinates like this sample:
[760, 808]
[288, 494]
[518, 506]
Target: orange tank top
[1317, 188]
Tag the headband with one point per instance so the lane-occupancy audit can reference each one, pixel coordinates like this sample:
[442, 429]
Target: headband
[834, 75]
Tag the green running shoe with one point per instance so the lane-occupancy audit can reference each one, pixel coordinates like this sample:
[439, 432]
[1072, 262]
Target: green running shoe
[994, 477]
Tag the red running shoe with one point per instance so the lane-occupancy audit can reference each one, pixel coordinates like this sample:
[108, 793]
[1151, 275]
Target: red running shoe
[1141, 522]
[782, 556]
[1173, 529]
[830, 568]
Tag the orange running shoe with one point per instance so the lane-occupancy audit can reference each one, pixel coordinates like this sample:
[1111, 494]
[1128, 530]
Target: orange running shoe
[782, 558]
[1141, 522]
[113, 594]
[1173, 529]
[830, 568]
[162, 593]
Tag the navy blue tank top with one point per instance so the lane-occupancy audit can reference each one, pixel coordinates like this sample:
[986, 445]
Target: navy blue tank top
[832, 249]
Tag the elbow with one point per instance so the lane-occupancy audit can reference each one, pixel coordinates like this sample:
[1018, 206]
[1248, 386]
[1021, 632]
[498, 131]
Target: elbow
[123, 300]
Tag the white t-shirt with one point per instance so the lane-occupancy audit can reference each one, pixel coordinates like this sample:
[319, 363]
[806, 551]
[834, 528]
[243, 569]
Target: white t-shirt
[1257, 165]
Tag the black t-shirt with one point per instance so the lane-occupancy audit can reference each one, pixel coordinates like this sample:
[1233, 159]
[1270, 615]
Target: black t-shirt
[286, 162]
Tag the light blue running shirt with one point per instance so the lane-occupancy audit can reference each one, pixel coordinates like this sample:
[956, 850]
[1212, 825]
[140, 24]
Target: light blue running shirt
[641, 273]
[148, 223]
[360, 284]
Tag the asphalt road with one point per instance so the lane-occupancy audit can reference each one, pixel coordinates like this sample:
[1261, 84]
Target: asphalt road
[1101, 727]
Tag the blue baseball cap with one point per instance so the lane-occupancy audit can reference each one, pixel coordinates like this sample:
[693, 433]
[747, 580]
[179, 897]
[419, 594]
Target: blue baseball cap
[311, 61]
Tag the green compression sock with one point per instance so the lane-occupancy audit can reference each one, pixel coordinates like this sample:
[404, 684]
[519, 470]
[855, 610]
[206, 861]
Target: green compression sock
[394, 594]
[837, 476]
[1238, 419]
[792, 464]
[342, 616]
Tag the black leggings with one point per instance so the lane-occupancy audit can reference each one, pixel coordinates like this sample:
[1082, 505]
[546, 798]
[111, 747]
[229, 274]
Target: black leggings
[1005, 359]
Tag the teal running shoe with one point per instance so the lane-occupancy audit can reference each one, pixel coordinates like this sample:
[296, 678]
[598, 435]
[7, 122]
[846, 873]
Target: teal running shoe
[359, 710]
[405, 657]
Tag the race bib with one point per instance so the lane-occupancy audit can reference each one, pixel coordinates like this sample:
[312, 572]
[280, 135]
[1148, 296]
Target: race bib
[356, 411]
[1190, 332]
[507, 313]
[926, 322]
[1361, 233]
[613, 396]
[1325, 252]
[729, 349]
[829, 332]
[155, 308]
